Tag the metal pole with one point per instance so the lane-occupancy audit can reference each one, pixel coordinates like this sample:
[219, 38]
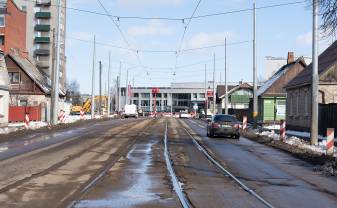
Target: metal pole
[214, 98]
[127, 87]
[119, 87]
[100, 88]
[93, 81]
[53, 94]
[255, 107]
[109, 71]
[117, 95]
[132, 89]
[226, 87]
[206, 97]
[56, 86]
[314, 94]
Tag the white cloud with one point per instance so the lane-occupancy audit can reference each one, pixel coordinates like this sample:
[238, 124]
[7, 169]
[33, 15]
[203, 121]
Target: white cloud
[137, 3]
[304, 39]
[152, 28]
[206, 39]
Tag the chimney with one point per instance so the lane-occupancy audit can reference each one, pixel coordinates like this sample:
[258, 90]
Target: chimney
[290, 58]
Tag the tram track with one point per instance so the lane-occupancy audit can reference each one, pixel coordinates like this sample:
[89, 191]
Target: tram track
[72, 200]
[102, 140]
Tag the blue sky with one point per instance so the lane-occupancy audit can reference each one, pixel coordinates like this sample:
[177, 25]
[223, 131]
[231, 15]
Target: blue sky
[279, 30]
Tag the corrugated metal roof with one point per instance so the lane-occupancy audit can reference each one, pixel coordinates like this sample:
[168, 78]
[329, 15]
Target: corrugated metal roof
[327, 59]
[32, 72]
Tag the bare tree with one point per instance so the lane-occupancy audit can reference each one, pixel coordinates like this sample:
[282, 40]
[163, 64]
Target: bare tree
[328, 12]
[73, 92]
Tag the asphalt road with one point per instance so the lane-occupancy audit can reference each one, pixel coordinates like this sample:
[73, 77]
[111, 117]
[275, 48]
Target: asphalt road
[280, 178]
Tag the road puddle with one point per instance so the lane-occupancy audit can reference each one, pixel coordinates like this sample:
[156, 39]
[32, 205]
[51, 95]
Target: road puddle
[134, 188]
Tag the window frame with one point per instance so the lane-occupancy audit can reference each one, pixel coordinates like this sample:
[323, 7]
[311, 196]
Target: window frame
[10, 77]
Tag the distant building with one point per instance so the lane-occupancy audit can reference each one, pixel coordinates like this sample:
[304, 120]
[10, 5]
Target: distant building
[179, 97]
[299, 90]
[12, 28]
[273, 64]
[272, 95]
[42, 20]
[4, 91]
[238, 96]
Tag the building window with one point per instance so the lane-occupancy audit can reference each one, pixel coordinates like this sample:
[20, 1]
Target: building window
[145, 95]
[195, 95]
[14, 77]
[2, 20]
[2, 40]
[135, 95]
[202, 95]
[165, 95]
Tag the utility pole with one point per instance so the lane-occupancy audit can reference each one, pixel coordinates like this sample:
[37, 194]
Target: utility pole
[255, 109]
[132, 89]
[56, 73]
[127, 87]
[100, 88]
[117, 95]
[214, 98]
[53, 94]
[93, 81]
[109, 96]
[119, 86]
[314, 88]
[206, 97]
[226, 84]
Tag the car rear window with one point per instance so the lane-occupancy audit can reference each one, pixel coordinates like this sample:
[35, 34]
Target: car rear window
[224, 118]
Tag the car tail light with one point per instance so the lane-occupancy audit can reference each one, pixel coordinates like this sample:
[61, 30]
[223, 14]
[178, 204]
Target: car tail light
[215, 125]
[237, 126]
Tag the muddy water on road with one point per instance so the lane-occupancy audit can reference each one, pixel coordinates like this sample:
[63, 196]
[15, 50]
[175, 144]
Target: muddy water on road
[138, 180]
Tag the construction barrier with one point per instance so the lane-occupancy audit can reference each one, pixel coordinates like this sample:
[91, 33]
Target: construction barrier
[283, 130]
[27, 121]
[62, 116]
[330, 137]
[82, 112]
[244, 122]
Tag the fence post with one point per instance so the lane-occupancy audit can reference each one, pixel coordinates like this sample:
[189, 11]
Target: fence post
[283, 130]
[330, 137]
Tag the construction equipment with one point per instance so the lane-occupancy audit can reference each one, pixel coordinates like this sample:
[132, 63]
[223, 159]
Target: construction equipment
[86, 106]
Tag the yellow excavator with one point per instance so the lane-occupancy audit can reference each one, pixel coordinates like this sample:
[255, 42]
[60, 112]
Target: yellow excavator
[76, 109]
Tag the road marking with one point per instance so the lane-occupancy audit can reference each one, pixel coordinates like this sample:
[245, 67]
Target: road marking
[226, 172]
[175, 182]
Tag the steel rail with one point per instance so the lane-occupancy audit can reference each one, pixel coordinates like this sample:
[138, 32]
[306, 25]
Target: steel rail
[175, 182]
[228, 173]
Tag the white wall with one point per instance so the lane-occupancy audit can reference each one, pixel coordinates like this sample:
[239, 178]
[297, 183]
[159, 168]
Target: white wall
[4, 100]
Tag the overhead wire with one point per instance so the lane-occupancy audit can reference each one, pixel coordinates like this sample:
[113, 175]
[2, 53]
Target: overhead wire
[181, 19]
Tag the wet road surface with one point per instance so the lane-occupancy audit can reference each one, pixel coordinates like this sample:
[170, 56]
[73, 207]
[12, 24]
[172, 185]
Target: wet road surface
[282, 179]
[51, 177]
[40, 140]
[138, 180]
[203, 183]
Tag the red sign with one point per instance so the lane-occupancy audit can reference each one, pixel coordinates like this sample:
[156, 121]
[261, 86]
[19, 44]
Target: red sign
[155, 90]
[209, 93]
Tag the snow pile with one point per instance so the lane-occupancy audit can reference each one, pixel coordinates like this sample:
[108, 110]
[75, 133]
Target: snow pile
[20, 126]
[272, 127]
[270, 134]
[299, 143]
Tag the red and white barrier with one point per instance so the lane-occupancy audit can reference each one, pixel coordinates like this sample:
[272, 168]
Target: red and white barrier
[62, 116]
[244, 122]
[82, 114]
[27, 121]
[330, 137]
[283, 130]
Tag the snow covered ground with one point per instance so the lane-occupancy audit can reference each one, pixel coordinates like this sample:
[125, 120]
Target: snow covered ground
[300, 143]
[35, 125]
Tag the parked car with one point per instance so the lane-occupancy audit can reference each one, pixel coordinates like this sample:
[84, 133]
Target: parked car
[223, 125]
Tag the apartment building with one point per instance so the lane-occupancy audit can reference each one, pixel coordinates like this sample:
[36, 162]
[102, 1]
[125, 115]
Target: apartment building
[12, 28]
[41, 27]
